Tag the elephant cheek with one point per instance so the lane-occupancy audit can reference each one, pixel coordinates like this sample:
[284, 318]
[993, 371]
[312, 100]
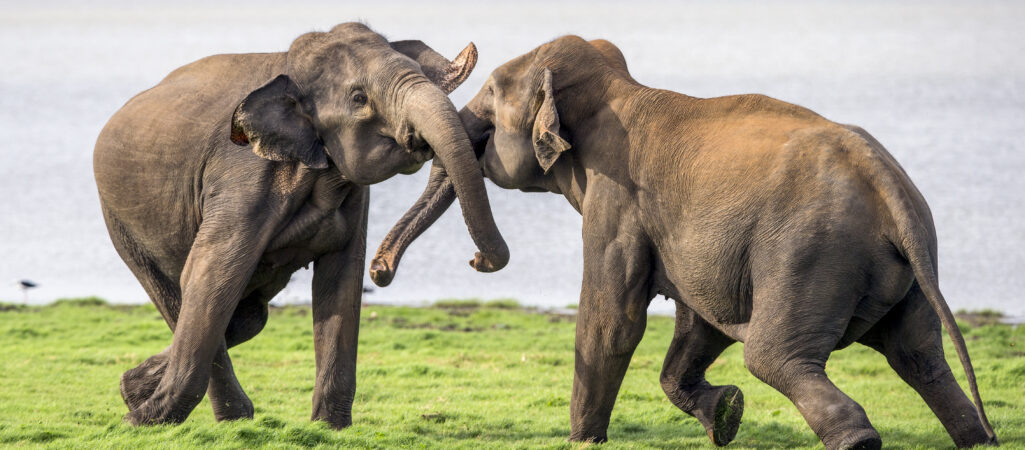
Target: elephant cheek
[511, 163]
[341, 162]
[491, 164]
[499, 171]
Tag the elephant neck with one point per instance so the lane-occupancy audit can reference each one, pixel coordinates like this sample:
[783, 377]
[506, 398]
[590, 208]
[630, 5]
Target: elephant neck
[594, 117]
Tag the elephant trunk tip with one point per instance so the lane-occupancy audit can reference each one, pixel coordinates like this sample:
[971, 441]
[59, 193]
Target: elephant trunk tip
[491, 261]
[381, 272]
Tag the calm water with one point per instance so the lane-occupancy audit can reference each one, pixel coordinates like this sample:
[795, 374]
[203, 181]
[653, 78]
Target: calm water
[942, 85]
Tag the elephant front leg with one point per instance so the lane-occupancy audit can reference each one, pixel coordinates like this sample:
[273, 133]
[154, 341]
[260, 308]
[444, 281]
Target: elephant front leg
[612, 317]
[605, 342]
[337, 299]
[187, 373]
[228, 399]
[215, 275]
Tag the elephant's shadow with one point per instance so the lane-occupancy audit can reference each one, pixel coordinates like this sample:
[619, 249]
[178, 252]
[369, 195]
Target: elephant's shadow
[754, 434]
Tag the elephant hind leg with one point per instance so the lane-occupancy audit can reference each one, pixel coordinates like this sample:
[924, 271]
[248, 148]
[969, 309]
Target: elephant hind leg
[696, 344]
[911, 339]
[163, 291]
[138, 384]
[801, 311]
[250, 315]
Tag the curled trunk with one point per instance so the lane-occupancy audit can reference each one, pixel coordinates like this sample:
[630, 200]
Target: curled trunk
[458, 173]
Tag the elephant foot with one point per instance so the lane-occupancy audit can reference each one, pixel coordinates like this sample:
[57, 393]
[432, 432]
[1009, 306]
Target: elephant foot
[337, 414]
[726, 417]
[864, 439]
[138, 384]
[590, 438]
[969, 433]
[237, 409]
[145, 415]
[718, 408]
[337, 423]
[166, 407]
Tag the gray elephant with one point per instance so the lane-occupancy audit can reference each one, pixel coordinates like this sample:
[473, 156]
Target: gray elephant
[767, 224]
[213, 230]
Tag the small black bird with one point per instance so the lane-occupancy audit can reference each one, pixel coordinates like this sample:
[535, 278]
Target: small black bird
[25, 285]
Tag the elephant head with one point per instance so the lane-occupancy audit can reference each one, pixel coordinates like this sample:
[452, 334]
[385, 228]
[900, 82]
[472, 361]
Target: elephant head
[514, 125]
[370, 108]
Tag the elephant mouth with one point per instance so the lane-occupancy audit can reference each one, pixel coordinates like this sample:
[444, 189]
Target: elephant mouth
[417, 147]
[421, 156]
[480, 144]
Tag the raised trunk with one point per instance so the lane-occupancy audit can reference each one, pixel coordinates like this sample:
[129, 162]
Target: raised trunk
[430, 113]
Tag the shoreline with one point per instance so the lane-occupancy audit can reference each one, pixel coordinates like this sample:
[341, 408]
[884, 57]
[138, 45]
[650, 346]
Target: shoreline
[984, 316]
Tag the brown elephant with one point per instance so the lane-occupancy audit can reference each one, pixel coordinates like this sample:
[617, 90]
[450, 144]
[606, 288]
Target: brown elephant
[765, 222]
[236, 170]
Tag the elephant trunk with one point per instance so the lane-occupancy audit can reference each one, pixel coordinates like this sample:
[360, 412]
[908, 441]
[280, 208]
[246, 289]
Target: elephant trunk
[434, 201]
[455, 170]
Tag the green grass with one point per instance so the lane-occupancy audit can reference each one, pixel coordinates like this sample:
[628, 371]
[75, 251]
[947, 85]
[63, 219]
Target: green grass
[480, 375]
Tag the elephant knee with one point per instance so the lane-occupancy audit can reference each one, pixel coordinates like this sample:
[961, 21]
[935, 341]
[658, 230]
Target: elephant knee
[760, 365]
[925, 368]
[778, 371]
[620, 341]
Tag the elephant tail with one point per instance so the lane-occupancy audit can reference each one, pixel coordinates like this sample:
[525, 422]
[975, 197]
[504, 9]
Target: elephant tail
[912, 238]
[921, 263]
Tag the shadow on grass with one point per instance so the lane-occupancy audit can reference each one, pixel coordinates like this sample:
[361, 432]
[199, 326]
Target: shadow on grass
[689, 433]
[439, 429]
[685, 433]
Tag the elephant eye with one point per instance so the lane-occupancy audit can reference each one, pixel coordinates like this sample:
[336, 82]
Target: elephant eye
[359, 98]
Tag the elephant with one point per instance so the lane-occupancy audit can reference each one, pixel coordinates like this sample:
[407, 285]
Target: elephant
[766, 224]
[238, 169]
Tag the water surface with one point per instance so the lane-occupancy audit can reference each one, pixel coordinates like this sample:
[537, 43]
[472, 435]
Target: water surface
[940, 84]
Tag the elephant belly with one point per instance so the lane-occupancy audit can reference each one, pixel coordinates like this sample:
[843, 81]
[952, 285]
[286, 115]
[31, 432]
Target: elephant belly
[732, 325]
[310, 234]
[715, 281]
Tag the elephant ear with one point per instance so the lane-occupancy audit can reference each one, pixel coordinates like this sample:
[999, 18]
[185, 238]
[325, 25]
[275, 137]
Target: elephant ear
[548, 145]
[272, 120]
[448, 75]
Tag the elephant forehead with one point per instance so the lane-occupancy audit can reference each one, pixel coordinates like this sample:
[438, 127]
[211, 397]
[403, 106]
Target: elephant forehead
[338, 62]
[310, 61]
[351, 28]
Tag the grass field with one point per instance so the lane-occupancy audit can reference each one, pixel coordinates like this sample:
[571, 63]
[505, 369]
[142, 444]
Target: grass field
[464, 374]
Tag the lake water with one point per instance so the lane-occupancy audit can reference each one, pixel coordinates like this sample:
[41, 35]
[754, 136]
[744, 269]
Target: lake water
[940, 84]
